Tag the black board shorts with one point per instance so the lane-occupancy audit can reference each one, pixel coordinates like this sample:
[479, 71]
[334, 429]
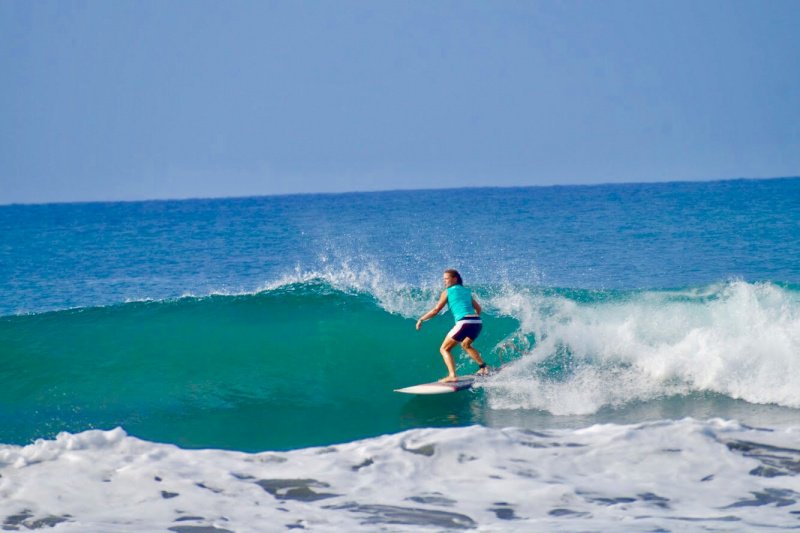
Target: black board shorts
[468, 327]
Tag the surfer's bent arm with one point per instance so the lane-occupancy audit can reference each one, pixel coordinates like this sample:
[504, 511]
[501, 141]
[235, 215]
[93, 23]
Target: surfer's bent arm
[476, 305]
[435, 311]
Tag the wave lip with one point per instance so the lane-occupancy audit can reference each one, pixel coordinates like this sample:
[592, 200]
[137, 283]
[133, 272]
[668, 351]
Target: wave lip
[603, 477]
[738, 339]
[393, 296]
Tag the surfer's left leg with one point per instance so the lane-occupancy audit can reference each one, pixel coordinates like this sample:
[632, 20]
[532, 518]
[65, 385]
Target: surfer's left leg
[466, 344]
[448, 345]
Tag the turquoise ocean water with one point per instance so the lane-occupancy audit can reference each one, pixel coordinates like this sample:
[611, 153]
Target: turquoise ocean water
[279, 323]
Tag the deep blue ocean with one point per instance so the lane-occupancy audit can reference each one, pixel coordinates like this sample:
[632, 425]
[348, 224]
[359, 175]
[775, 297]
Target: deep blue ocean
[646, 236]
[281, 323]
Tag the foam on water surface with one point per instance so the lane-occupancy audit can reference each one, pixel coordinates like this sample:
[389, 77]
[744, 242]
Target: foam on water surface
[596, 349]
[687, 474]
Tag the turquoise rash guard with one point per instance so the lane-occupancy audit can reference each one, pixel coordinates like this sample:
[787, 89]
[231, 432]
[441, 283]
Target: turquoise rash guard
[459, 299]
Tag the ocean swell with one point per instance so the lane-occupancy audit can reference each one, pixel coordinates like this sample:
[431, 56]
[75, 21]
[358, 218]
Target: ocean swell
[238, 370]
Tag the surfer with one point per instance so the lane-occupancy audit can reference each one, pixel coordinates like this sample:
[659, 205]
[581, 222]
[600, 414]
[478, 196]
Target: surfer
[466, 312]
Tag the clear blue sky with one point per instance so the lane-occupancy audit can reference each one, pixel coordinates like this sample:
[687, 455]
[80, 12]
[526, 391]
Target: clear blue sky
[119, 100]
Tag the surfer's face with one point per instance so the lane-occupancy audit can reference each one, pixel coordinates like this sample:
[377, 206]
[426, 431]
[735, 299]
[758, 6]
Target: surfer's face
[448, 279]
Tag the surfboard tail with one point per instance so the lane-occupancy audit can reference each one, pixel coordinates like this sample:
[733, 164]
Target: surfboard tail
[436, 387]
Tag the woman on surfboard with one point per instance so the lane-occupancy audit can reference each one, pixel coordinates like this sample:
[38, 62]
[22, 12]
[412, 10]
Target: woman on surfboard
[466, 312]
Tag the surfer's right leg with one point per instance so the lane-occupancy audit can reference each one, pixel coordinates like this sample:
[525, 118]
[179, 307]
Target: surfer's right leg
[466, 344]
[448, 345]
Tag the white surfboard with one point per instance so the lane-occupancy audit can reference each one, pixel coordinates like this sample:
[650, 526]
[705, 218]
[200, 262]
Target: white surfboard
[464, 382]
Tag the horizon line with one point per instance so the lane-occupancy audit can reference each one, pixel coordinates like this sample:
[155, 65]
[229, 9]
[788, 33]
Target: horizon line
[381, 191]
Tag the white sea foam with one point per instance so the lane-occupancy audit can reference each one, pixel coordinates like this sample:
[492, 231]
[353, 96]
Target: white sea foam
[686, 475]
[737, 339]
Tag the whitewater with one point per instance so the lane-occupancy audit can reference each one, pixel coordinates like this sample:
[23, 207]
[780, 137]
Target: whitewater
[228, 365]
[683, 475]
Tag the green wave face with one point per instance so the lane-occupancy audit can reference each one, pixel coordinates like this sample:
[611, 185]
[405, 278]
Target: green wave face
[301, 365]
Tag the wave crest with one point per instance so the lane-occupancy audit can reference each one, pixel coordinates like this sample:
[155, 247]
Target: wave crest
[594, 350]
[393, 296]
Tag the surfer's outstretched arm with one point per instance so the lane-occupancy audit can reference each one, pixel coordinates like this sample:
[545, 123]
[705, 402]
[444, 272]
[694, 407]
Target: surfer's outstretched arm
[435, 311]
